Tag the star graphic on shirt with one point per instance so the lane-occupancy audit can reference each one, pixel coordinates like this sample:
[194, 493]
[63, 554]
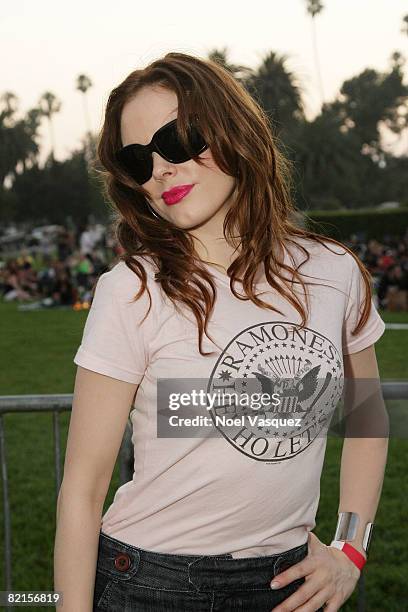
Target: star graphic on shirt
[225, 375]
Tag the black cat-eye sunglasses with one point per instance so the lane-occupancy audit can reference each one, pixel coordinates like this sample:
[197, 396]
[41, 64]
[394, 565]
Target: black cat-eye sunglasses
[137, 159]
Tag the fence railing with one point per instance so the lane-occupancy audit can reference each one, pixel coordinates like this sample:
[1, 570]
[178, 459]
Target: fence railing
[58, 403]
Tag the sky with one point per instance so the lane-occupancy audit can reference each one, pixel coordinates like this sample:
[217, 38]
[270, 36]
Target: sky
[48, 44]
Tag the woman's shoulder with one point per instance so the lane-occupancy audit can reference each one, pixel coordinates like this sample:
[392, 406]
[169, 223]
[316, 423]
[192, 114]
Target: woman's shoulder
[322, 246]
[121, 280]
[322, 256]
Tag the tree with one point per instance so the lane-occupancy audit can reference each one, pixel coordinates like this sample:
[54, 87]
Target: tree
[278, 92]
[18, 146]
[49, 105]
[404, 28]
[339, 154]
[83, 83]
[396, 113]
[239, 72]
[372, 98]
[330, 169]
[315, 7]
[57, 191]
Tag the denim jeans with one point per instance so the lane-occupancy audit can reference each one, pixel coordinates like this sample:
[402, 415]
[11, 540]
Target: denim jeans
[132, 579]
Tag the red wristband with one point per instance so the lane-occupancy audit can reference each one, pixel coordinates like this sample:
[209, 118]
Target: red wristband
[353, 554]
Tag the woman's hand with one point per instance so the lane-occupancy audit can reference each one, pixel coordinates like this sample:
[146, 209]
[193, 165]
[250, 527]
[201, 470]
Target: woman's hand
[330, 578]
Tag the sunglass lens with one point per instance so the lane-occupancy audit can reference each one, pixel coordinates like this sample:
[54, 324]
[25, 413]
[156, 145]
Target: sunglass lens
[169, 143]
[197, 142]
[136, 163]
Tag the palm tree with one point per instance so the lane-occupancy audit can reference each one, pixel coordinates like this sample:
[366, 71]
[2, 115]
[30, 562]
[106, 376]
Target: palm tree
[277, 91]
[10, 102]
[8, 143]
[49, 105]
[18, 147]
[83, 83]
[397, 60]
[314, 7]
[404, 28]
[219, 56]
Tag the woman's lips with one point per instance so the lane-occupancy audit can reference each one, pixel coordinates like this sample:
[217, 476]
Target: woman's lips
[175, 195]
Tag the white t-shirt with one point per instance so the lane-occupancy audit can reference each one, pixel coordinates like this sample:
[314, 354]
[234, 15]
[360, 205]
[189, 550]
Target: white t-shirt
[243, 491]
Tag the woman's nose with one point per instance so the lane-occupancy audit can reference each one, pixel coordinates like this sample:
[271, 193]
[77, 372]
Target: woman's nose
[161, 165]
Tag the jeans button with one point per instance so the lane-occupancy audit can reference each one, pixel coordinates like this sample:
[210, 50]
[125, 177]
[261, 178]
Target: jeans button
[122, 562]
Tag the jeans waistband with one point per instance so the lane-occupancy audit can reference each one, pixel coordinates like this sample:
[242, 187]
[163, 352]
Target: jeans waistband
[191, 572]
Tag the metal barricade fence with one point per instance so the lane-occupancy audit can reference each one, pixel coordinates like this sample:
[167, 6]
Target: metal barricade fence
[392, 390]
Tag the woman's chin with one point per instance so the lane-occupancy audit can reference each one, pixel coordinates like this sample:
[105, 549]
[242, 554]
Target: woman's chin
[187, 219]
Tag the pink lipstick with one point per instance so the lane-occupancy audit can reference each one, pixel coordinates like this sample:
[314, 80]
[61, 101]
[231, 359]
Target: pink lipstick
[176, 194]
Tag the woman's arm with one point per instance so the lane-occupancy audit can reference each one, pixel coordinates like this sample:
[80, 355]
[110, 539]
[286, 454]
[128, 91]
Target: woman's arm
[330, 576]
[100, 410]
[363, 459]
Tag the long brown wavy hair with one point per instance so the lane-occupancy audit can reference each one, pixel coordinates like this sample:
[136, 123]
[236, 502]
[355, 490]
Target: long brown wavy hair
[240, 137]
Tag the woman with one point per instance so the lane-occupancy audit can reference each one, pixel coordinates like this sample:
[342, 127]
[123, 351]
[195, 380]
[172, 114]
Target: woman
[214, 513]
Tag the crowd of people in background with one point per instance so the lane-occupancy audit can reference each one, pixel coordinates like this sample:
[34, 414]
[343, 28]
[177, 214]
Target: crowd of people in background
[68, 270]
[72, 262]
[387, 262]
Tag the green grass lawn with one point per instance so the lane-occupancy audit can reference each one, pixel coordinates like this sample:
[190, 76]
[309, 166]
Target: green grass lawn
[37, 352]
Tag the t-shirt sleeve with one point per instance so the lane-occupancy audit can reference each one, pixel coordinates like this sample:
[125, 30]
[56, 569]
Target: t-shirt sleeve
[373, 328]
[114, 339]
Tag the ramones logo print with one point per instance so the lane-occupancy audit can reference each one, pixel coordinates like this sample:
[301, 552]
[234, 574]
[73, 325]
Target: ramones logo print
[301, 367]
